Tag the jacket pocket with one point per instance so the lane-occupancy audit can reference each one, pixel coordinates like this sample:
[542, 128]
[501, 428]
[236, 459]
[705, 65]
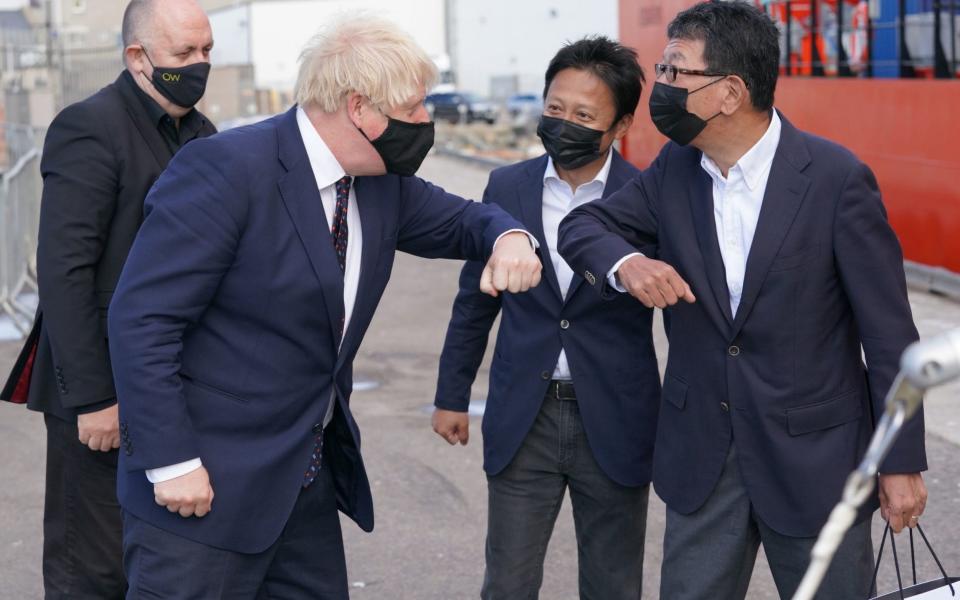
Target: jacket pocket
[675, 391]
[795, 259]
[212, 388]
[823, 415]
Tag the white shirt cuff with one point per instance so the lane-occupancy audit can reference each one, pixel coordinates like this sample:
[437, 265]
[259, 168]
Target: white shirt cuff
[612, 274]
[173, 471]
[533, 241]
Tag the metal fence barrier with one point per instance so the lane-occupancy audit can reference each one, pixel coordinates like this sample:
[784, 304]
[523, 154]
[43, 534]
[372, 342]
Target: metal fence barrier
[20, 188]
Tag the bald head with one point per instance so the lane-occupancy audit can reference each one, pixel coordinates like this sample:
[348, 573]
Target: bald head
[136, 21]
[147, 22]
[164, 33]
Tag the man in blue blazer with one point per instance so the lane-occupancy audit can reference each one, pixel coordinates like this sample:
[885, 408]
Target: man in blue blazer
[574, 386]
[234, 326]
[778, 267]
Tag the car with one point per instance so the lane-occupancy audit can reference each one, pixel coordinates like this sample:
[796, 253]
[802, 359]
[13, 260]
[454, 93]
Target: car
[454, 106]
[526, 105]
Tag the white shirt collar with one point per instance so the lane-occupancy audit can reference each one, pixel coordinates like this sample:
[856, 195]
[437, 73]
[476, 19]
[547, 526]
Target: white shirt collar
[756, 162]
[551, 172]
[326, 169]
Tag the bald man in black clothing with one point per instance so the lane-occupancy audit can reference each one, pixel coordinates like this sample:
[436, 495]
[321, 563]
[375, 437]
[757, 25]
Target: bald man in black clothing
[100, 158]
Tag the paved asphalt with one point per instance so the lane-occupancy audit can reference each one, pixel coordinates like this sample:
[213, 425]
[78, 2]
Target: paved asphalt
[431, 498]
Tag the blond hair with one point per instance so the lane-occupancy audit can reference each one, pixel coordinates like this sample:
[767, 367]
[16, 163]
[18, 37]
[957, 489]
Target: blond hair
[366, 55]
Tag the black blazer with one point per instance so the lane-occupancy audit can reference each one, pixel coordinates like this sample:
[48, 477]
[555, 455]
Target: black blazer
[100, 157]
[784, 379]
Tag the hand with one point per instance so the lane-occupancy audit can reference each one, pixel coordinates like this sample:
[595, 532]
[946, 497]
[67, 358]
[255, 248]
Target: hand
[189, 495]
[452, 426]
[902, 497]
[512, 267]
[100, 430]
[653, 282]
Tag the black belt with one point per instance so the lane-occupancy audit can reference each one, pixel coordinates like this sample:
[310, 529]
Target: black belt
[561, 390]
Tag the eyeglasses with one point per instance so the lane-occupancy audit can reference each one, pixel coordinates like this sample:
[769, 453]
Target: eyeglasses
[672, 71]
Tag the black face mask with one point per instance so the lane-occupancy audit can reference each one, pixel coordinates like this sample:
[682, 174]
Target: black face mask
[668, 110]
[570, 145]
[184, 86]
[403, 146]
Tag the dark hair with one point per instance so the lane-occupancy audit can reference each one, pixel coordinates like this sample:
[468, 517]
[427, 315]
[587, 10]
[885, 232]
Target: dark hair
[739, 39]
[614, 64]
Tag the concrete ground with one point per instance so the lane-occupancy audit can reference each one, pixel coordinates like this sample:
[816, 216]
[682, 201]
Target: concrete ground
[430, 497]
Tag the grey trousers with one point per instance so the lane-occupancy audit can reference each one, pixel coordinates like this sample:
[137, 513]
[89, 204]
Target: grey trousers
[524, 499]
[711, 552]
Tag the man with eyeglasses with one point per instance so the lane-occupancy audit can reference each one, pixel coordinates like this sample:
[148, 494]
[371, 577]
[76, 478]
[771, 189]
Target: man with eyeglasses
[778, 266]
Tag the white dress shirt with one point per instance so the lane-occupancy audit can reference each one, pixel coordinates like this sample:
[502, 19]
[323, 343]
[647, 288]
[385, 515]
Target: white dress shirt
[558, 200]
[327, 171]
[737, 199]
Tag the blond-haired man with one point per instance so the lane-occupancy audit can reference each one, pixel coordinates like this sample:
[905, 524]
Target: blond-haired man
[260, 263]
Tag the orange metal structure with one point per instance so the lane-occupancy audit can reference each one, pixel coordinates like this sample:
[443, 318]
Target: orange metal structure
[906, 130]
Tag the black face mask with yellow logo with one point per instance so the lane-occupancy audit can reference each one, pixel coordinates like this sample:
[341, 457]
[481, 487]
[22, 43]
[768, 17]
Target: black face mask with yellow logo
[184, 86]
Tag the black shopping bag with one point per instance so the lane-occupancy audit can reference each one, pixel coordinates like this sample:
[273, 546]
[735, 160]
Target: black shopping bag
[935, 589]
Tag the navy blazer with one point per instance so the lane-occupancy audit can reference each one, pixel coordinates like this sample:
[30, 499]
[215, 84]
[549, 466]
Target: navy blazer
[784, 380]
[224, 327]
[608, 344]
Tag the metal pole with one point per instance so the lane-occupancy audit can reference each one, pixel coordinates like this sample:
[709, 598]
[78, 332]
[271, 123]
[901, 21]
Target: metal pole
[941, 69]
[869, 67]
[953, 38]
[906, 63]
[843, 64]
[48, 26]
[789, 30]
[816, 66]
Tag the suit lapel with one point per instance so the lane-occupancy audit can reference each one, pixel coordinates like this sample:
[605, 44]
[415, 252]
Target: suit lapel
[298, 189]
[704, 223]
[371, 224]
[786, 188]
[616, 179]
[138, 114]
[530, 198]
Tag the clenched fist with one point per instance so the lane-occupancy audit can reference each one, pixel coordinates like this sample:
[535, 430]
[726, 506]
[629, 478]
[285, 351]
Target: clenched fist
[653, 282]
[189, 495]
[100, 430]
[452, 426]
[513, 266]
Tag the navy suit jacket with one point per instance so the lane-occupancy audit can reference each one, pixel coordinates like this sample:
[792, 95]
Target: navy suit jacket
[224, 328]
[783, 380]
[608, 344]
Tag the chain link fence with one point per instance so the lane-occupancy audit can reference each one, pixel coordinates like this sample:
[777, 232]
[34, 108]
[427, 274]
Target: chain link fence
[20, 188]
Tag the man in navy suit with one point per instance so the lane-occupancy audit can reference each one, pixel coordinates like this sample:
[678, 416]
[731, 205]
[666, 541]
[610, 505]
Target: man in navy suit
[574, 386]
[233, 329]
[779, 265]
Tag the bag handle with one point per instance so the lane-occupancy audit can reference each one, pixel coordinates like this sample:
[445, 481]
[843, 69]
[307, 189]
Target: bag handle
[913, 559]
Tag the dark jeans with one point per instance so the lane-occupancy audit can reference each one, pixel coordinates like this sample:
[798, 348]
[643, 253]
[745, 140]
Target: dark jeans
[82, 551]
[524, 500]
[710, 553]
[306, 563]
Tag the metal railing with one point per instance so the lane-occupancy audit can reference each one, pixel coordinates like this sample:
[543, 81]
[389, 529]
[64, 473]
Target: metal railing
[20, 189]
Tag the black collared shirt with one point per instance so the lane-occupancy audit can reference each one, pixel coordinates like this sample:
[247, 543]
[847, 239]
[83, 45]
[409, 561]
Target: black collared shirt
[175, 138]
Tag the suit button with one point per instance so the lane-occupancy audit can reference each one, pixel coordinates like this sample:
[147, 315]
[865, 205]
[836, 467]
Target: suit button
[589, 277]
[724, 407]
[318, 428]
[564, 324]
[733, 350]
[545, 375]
